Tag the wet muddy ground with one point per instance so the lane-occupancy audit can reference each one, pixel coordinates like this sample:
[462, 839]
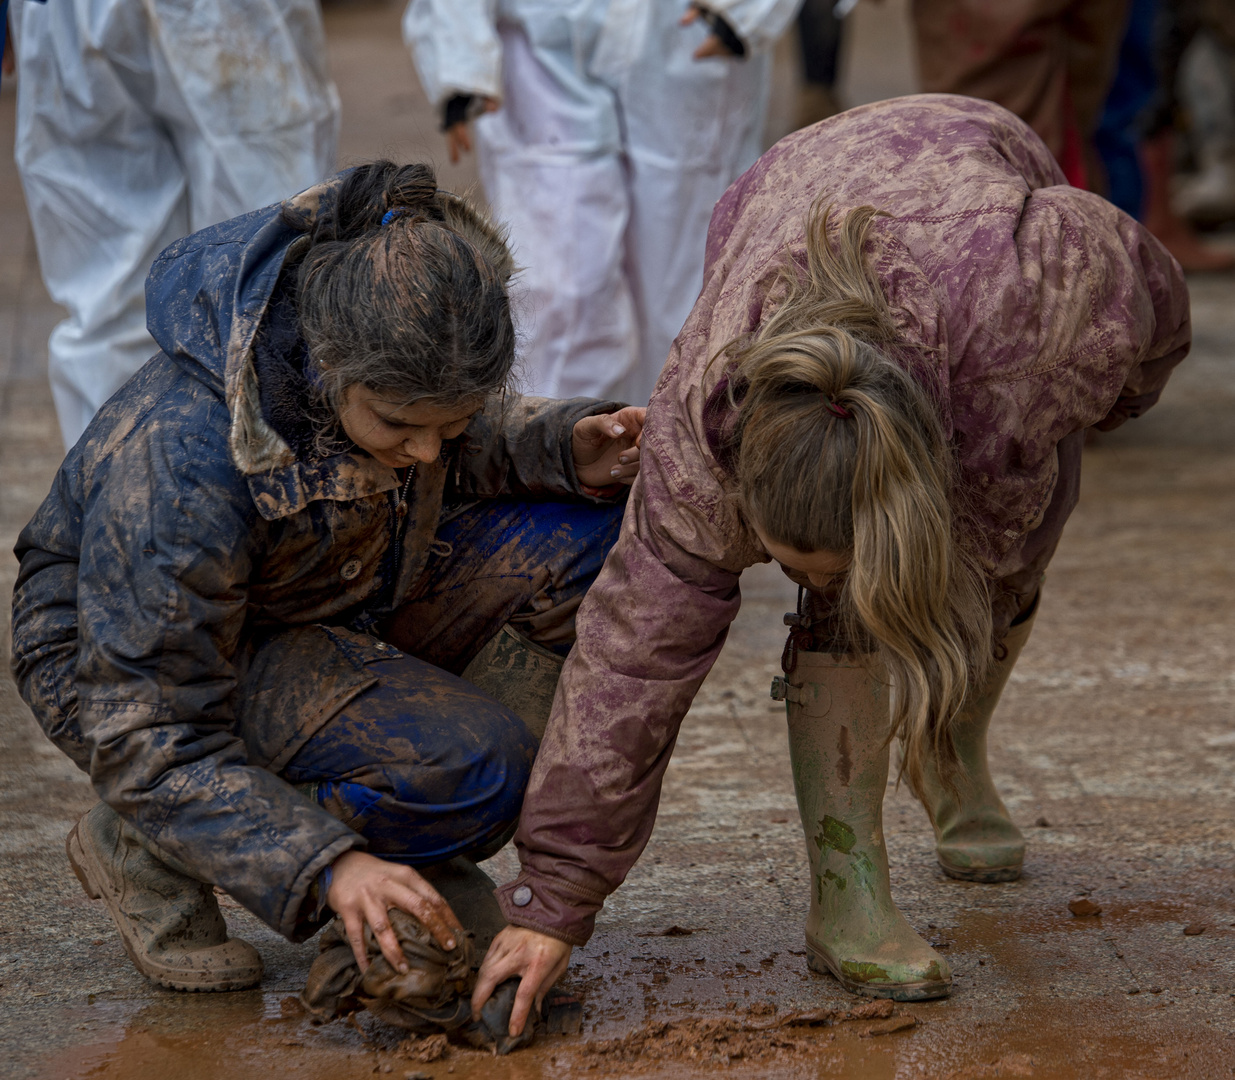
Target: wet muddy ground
[1114, 746]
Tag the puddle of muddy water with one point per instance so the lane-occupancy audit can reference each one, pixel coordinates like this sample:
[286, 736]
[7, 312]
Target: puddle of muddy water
[247, 1035]
[243, 1035]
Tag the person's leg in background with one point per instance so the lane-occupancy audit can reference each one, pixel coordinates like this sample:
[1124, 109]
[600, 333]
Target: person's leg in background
[1208, 198]
[1176, 25]
[1118, 134]
[691, 127]
[819, 38]
[104, 187]
[550, 165]
[1011, 53]
[138, 124]
[1093, 33]
[1048, 61]
[245, 93]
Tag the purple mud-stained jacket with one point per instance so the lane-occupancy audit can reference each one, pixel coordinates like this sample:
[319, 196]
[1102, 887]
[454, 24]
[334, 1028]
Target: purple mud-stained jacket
[1030, 309]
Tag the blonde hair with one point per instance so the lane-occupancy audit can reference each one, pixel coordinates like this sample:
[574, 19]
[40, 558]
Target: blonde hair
[840, 449]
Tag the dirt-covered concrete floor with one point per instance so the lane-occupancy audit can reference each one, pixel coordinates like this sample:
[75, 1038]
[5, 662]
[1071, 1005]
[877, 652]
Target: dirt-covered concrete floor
[1115, 748]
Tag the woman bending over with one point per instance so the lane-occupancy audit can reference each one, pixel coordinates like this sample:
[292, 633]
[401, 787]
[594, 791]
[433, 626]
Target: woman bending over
[907, 324]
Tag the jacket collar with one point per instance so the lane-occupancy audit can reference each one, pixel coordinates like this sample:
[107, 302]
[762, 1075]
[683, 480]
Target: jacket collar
[287, 489]
[255, 446]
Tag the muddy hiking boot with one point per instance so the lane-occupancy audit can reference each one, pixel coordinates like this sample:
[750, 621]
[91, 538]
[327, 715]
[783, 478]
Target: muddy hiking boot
[838, 713]
[170, 924]
[520, 674]
[975, 839]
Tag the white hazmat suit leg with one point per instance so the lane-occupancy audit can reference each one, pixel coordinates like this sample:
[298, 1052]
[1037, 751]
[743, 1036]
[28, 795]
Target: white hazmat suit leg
[607, 181]
[552, 169]
[691, 127]
[138, 123]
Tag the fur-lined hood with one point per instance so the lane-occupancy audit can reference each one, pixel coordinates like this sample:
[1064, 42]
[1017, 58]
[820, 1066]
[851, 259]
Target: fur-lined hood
[206, 297]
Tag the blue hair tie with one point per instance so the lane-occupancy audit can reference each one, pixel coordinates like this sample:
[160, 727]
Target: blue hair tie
[390, 215]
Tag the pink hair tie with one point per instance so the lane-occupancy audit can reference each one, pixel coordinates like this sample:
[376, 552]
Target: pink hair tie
[837, 410]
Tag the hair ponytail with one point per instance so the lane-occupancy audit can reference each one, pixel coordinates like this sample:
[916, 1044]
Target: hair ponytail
[840, 449]
[403, 289]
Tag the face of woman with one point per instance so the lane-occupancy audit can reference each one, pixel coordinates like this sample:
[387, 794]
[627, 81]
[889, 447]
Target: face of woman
[821, 568]
[396, 433]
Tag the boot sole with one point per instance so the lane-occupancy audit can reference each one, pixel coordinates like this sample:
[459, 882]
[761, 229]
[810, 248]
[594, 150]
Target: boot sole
[85, 865]
[819, 961]
[989, 875]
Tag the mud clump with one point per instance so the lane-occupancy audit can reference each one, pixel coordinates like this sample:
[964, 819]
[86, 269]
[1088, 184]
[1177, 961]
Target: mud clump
[1194, 929]
[426, 1048]
[758, 1035]
[887, 1027]
[1082, 907]
[1008, 1065]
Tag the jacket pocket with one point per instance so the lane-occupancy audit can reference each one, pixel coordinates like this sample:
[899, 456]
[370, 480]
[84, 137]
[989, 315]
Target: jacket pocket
[294, 680]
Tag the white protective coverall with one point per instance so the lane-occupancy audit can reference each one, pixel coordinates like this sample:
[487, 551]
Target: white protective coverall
[609, 150]
[139, 121]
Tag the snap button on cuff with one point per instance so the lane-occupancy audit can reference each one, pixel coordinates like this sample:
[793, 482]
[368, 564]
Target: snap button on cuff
[522, 896]
[350, 569]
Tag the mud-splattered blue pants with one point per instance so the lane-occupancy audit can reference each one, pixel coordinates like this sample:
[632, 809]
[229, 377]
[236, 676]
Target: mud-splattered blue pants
[424, 765]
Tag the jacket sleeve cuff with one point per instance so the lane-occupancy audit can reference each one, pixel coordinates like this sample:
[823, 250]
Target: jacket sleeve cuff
[297, 921]
[757, 22]
[577, 409]
[552, 906]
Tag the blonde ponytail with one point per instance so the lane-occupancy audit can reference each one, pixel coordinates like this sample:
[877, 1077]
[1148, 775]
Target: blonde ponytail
[841, 450]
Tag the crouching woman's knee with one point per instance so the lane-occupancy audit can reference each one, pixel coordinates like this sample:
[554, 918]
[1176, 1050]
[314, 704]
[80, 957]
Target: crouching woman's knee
[505, 752]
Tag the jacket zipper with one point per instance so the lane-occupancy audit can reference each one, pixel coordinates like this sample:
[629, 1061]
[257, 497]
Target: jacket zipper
[396, 525]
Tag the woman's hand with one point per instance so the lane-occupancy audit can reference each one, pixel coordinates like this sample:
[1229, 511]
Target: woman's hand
[712, 44]
[363, 888]
[537, 958]
[606, 450]
[459, 136]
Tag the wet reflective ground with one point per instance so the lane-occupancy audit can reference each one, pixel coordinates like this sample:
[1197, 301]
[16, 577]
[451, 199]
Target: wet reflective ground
[1115, 749]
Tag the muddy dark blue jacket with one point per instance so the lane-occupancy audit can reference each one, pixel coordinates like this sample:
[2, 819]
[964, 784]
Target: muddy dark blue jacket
[188, 558]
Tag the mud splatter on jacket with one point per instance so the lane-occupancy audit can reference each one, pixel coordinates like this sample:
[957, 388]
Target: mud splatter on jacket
[1030, 309]
[186, 560]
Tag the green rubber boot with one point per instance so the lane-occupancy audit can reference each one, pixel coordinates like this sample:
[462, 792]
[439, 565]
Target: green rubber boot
[520, 674]
[975, 839]
[170, 924]
[838, 715]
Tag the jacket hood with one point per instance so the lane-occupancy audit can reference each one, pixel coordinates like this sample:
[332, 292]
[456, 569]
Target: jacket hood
[206, 296]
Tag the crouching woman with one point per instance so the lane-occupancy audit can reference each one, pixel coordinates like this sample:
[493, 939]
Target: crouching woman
[246, 604]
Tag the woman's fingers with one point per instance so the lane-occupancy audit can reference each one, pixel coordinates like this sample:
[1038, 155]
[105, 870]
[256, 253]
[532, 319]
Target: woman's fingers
[606, 449]
[525, 996]
[712, 46]
[378, 918]
[429, 907]
[363, 890]
[495, 970]
[543, 971]
[353, 925]
[458, 141]
[631, 418]
[538, 960]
